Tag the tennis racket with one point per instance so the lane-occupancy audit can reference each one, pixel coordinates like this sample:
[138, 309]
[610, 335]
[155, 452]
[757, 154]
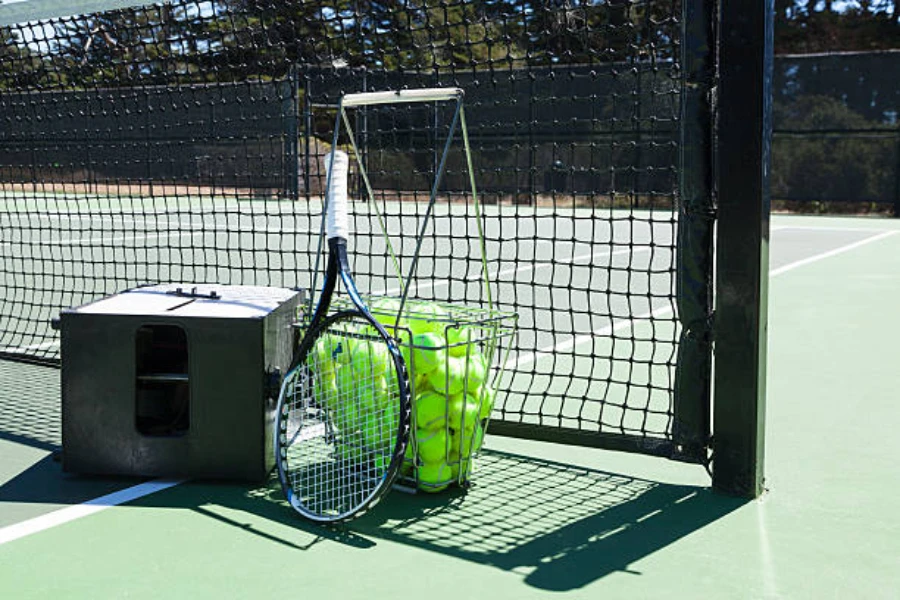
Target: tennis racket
[343, 414]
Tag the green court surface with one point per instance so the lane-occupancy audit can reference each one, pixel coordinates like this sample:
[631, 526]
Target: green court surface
[542, 520]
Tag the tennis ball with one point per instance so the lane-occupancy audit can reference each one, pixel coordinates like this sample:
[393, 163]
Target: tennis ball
[385, 307]
[346, 383]
[373, 394]
[359, 360]
[463, 446]
[426, 317]
[419, 324]
[376, 431]
[486, 396]
[476, 371]
[467, 470]
[340, 350]
[460, 341]
[463, 412]
[449, 376]
[421, 385]
[434, 477]
[325, 390]
[427, 352]
[431, 445]
[382, 395]
[439, 317]
[381, 462]
[431, 410]
[321, 354]
[345, 417]
[349, 452]
[370, 359]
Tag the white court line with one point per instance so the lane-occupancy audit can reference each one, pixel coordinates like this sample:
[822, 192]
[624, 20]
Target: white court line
[531, 357]
[25, 528]
[169, 223]
[829, 254]
[121, 238]
[820, 228]
[77, 511]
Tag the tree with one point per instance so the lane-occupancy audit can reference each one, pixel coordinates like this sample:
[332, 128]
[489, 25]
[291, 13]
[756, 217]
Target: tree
[120, 48]
[808, 26]
[828, 167]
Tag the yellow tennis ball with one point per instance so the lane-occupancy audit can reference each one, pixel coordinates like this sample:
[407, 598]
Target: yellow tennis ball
[460, 456]
[421, 385]
[427, 352]
[425, 317]
[346, 382]
[377, 432]
[449, 376]
[440, 318]
[431, 410]
[325, 390]
[381, 462]
[460, 341]
[349, 452]
[431, 445]
[486, 396]
[340, 350]
[434, 477]
[374, 395]
[382, 395]
[345, 417]
[386, 308]
[463, 445]
[370, 360]
[462, 413]
[476, 371]
[467, 470]
[419, 322]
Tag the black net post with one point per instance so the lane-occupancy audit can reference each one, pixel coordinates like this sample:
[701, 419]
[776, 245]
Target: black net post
[743, 161]
[897, 180]
[696, 218]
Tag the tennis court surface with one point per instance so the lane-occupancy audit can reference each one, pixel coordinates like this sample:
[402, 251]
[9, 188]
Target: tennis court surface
[542, 518]
[697, 400]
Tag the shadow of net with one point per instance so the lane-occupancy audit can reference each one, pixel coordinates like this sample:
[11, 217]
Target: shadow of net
[557, 525]
[30, 405]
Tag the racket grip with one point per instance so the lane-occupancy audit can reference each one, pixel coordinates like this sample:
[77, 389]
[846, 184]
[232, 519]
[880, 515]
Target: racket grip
[336, 219]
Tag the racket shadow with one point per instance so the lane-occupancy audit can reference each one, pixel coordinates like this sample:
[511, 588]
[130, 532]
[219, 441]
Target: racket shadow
[558, 525]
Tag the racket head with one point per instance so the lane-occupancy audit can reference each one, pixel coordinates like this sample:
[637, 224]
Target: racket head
[343, 418]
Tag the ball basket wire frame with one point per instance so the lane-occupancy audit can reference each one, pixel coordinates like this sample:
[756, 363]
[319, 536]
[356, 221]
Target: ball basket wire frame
[472, 342]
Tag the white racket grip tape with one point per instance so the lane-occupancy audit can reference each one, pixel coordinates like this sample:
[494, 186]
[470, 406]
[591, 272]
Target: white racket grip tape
[336, 221]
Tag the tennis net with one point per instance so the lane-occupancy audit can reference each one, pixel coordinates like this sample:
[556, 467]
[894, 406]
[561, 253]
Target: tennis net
[183, 143]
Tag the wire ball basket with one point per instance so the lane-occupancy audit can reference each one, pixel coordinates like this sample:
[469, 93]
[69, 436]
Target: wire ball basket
[454, 352]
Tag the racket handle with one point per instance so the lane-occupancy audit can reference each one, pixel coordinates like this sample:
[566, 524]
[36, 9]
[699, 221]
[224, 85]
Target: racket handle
[337, 221]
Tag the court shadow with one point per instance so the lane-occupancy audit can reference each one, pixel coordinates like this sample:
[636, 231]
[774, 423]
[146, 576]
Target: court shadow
[30, 405]
[558, 525]
[259, 511]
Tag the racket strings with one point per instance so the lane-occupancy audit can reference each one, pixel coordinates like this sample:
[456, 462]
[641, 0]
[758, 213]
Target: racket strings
[340, 419]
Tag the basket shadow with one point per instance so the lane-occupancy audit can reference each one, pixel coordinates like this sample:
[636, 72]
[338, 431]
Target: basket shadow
[560, 526]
